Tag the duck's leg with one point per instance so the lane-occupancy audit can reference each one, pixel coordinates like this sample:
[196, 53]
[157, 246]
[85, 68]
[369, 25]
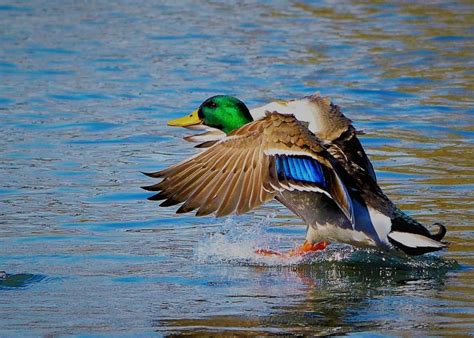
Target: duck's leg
[304, 249]
[312, 243]
[308, 247]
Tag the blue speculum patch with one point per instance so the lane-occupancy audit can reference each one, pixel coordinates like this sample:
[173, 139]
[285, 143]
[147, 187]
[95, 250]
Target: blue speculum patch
[300, 169]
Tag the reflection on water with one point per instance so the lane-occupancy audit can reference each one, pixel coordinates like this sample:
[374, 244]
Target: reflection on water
[85, 91]
[330, 298]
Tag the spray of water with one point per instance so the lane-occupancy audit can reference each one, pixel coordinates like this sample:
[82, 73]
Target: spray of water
[236, 243]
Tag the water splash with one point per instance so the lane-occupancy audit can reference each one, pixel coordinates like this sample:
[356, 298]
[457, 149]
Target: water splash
[236, 242]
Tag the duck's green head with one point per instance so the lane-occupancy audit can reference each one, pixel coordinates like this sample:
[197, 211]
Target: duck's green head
[223, 112]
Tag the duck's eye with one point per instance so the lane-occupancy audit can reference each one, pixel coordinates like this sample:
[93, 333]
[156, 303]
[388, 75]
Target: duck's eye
[211, 104]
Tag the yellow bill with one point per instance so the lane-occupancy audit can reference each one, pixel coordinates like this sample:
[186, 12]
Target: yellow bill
[185, 121]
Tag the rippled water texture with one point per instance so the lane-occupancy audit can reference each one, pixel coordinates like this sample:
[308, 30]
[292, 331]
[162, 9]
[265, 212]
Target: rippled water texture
[85, 92]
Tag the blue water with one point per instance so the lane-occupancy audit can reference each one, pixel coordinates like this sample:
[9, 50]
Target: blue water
[85, 93]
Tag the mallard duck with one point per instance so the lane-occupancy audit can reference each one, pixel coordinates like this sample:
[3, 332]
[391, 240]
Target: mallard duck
[304, 153]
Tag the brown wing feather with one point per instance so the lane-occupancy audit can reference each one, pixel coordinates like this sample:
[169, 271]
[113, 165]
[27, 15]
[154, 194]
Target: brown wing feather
[221, 179]
[249, 170]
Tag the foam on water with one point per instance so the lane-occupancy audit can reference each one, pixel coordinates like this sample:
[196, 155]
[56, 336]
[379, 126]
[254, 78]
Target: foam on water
[236, 243]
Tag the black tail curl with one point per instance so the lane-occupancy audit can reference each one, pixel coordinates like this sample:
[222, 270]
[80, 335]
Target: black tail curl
[441, 232]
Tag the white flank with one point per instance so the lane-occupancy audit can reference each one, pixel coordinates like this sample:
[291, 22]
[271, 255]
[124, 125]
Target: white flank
[333, 232]
[381, 223]
[414, 240]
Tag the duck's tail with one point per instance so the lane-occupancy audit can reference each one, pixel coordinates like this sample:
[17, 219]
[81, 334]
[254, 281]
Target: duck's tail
[441, 232]
[414, 244]
[412, 237]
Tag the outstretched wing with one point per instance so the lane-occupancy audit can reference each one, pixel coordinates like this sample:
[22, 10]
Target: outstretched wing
[231, 176]
[249, 167]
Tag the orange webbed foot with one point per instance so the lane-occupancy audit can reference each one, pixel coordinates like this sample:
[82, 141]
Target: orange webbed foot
[308, 248]
[300, 251]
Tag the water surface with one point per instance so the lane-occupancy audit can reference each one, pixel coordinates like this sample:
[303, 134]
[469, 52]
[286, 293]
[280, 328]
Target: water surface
[85, 93]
